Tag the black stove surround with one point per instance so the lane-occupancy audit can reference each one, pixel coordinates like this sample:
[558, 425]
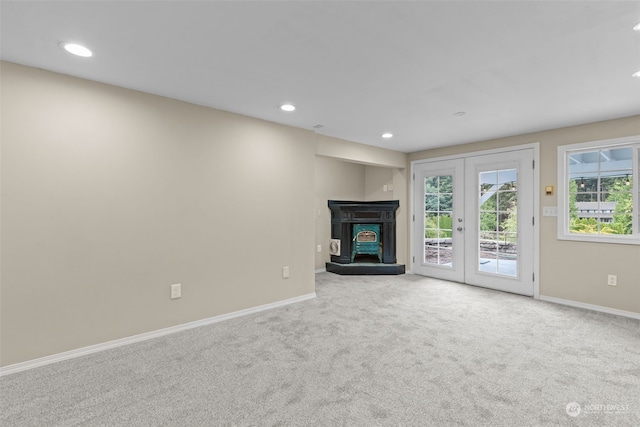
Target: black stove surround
[346, 214]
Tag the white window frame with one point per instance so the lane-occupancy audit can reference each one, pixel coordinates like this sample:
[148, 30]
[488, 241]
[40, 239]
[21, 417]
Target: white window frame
[563, 190]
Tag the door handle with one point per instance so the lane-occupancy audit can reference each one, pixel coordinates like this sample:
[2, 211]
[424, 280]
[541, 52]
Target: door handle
[459, 228]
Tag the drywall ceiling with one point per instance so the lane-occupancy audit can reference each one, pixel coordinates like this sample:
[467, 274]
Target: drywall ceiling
[357, 68]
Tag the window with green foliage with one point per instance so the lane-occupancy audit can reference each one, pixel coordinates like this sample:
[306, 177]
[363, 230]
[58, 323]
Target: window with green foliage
[438, 206]
[438, 223]
[598, 192]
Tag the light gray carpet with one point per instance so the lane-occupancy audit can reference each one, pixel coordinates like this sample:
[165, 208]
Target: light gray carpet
[370, 350]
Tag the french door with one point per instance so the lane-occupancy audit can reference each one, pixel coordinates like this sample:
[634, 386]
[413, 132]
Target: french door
[473, 220]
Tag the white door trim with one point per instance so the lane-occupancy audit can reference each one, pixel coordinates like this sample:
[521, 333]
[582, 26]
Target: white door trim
[535, 146]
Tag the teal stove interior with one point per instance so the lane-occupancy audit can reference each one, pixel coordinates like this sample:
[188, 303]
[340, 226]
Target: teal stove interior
[366, 241]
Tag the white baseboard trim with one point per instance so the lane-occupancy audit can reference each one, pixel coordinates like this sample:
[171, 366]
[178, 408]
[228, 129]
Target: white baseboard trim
[30, 364]
[321, 270]
[593, 307]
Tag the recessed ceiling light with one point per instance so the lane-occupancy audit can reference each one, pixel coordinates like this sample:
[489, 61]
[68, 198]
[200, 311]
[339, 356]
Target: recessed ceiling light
[637, 27]
[76, 49]
[287, 107]
[387, 135]
[636, 74]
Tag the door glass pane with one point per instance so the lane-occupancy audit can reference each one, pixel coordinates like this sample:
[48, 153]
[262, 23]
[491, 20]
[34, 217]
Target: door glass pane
[438, 223]
[498, 222]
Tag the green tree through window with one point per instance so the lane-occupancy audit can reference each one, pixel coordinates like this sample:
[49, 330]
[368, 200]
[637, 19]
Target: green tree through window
[601, 195]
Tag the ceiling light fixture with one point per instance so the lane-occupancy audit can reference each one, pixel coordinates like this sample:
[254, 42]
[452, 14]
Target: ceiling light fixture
[637, 27]
[77, 49]
[636, 74]
[288, 107]
[387, 135]
[460, 113]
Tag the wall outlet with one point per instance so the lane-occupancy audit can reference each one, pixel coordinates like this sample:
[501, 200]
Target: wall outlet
[612, 280]
[176, 291]
[285, 272]
[319, 249]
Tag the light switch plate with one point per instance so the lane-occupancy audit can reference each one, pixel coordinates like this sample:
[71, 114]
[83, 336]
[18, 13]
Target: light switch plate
[549, 211]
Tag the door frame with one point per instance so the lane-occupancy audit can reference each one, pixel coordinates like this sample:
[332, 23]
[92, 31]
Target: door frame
[535, 146]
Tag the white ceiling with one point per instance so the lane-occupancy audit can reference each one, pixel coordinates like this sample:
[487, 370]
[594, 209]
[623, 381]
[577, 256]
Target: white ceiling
[359, 68]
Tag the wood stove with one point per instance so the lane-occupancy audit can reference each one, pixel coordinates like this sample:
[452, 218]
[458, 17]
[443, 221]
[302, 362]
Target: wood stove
[348, 219]
[366, 241]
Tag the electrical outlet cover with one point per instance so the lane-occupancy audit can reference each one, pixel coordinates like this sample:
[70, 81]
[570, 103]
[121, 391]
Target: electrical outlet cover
[176, 291]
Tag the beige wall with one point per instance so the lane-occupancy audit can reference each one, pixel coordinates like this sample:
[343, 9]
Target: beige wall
[359, 153]
[335, 180]
[573, 270]
[109, 196]
[374, 183]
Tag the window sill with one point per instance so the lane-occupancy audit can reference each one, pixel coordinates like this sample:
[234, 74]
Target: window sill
[621, 240]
